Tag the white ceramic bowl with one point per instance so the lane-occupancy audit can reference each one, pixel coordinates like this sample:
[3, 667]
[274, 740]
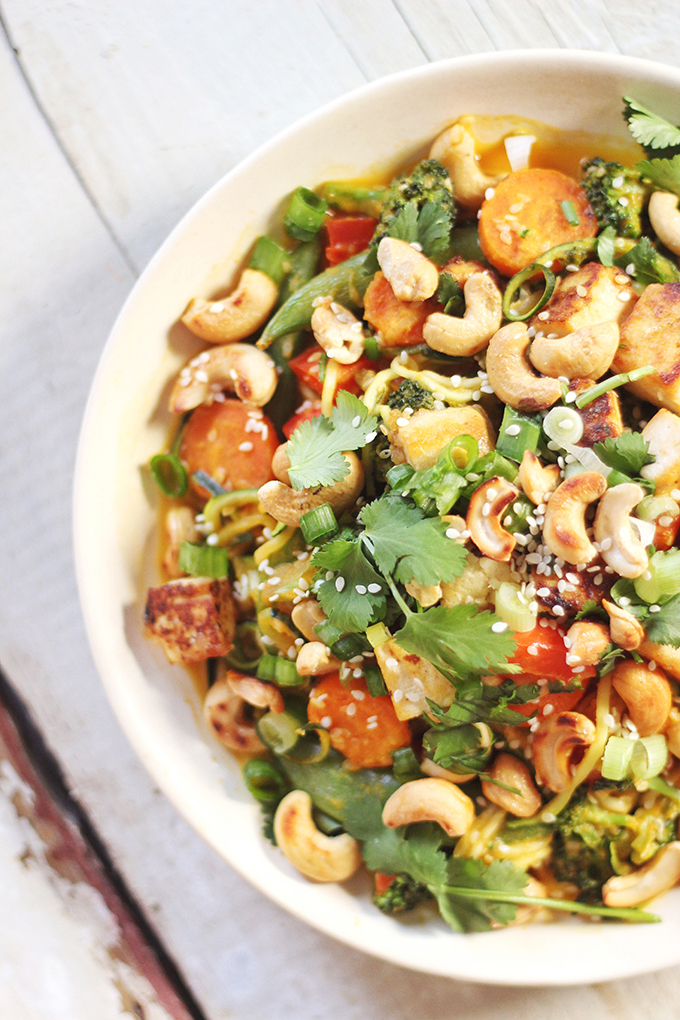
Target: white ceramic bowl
[115, 507]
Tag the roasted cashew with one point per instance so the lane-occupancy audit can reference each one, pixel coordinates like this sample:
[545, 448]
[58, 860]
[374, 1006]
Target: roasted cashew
[511, 771]
[411, 276]
[665, 219]
[455, 148]
[585, 354]
[647, 694]
[462, 337]
[485, 511]
[179, 527]
[625, 630]
[281, 463]
[223, 710]
[619, 540]
[586, 642]
[249, 372]
[338, 331]
[322, 858]
[430, 800]
[564, 530]
[430, 768]
[313, 659]
[656, 877]
[538, 481]
[305, 616]
[288, 505]
[239, 315]
[255, 692]
[510, 375]
[555, 740]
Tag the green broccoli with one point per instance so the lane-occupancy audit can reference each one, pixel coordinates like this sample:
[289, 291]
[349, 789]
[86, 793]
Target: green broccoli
[403, 893]
[420, 208]
[582, 847]
[617, 196]
[410, 393]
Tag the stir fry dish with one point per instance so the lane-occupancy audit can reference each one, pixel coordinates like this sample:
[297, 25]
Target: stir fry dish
[420, 518]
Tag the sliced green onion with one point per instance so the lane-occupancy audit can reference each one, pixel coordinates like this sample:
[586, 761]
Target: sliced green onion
[270, 258]
[203, 560]
[616, 759]
[517, 433]
[513, 288]
[346, 647]
[313, 746]
[322, 363]
[203, 479]
[264, 781]
[613, 383]
[563, 425]
[353, 198]
[169, 474]
[661, 579]
[326, 632]
[326, 824]
[653, 507]
[246, 653]
[570, 214]
[279, 670]
[606, 248]
[319, 524]
[399, 476]
[662, 787]
[371, 348]
[405, 764]
[374, 680]
[378, 634]
[280, 731]
[514, 608]
[649, 756]
[305, 215]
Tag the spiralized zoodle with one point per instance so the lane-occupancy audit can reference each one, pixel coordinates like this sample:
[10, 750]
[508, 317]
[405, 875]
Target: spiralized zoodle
[441, 621]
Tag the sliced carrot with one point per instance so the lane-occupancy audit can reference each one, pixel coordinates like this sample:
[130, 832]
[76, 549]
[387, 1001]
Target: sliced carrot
[525, 217]
[400, 323]
[382, 882]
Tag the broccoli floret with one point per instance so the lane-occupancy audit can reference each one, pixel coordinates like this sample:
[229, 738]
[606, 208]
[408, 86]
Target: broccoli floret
[582, 848]
[616, 195]
[403, 893]
[410, 393]
[423, 206]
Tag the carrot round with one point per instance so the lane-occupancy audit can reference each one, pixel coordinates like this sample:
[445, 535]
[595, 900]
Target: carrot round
[525, 217]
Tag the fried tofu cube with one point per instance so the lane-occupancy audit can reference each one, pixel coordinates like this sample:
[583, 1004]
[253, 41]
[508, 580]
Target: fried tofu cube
[411, 681]
[663, 435]
[601, 417]
[651, 336]
[192, 618]
[426, 434]
[594, 293]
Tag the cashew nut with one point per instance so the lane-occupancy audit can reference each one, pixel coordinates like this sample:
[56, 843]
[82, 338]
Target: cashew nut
[455, 148]
[486, 508]
[338, 331]
[317, 856]
[656, 877]
[510, 375]
[537, 480]
[179, 527]
[462, 337]
[585, 354]
[665, 219]
[430, 800]
[288, 505]
[646, 692]
[625, 630]
[430, 768]
[511, 771]
[235, 317]
[249, 372]
[305, 616]
[426, 595]
[255, 692]
[564, 530]
[313, 659]
[224, 713]
[555, 740]
[411, 276]
[618, 538]
[586, 641]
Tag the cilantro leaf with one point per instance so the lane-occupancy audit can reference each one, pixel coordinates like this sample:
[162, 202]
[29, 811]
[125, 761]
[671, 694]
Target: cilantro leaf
[664, 173]
[479, 914]
[605, 246]
[664, 627]
[404, 226]
[408, 545]
[458, 641]
[428, 226]
[315, 449]
[627, 453]
[649, 266]
[450, 294]
[345, 598]
[649, 129]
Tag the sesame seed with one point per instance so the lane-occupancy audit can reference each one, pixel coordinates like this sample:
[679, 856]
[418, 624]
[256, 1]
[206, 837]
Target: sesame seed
[216, 307]
[452, 533]
[623, 201]
[201, 376]
[351, 710]
[358, 695]
[212, 540]
[665, 521]
[543, 316]
[486, 509]
[370, 436]
[606, 544]
[491, 494]
[621, 279]
[391, 663]
[339, 583]
[532, 649]
[326, 722]
[581, 290]
[356, 421]
[558, 610]
[548, 817]
[623, 295]
[374, 588]
[489, 193]
[360, 589]
[401, 422]
[246, 447]
[547, 709]
[655, 609]
[397, 696]
[499, 627]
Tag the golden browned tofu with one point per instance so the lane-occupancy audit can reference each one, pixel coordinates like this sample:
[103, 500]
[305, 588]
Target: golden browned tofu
[651, 336]
[594, 293]
[663, 435]
[601, 417]
[192, 618]
[411, 681]
[426, 434]
[589, 585]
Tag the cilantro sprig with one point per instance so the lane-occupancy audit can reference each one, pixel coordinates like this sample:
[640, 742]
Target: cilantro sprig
[315, 449]
[627, 453]
[661, 141]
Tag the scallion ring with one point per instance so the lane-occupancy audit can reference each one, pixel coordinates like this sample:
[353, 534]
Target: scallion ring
[169, 474]
[563, 425]
[203, 560]
[264, 781]
[305, 214]
[512, 291]
[649, 756]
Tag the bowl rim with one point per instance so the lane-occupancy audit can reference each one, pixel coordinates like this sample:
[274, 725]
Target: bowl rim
[288, 896]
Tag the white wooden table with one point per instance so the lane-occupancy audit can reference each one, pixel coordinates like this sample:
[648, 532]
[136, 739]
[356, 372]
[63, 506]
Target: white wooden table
[115, 118]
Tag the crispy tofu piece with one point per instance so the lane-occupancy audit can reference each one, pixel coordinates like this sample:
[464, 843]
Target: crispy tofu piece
[478, 582]
[651, 336]
[192, 618]
[608, 297]
[663, 435]
[575, 595]
[428, 432]
[411, 680]
[601, 417]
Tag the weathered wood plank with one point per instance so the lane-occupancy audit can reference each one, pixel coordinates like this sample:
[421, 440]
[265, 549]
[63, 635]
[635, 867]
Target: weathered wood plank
[375, 34]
